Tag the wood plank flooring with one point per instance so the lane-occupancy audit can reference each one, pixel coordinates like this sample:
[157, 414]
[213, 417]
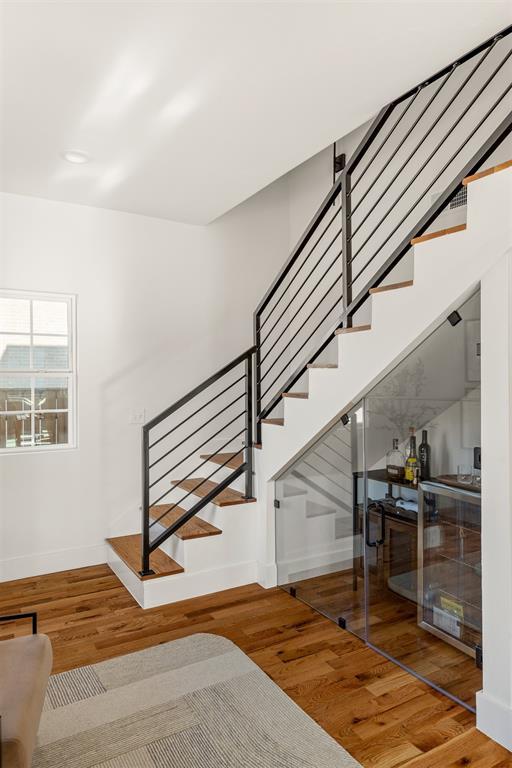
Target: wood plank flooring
[394, 629]
[381, 714]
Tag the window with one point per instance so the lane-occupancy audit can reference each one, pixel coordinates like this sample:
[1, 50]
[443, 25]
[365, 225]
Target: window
[37, 371]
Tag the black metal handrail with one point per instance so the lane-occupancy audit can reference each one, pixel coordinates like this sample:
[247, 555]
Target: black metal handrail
[301, 303]
[181, 435]
[461, 103]
[459, 118]
[359, 234]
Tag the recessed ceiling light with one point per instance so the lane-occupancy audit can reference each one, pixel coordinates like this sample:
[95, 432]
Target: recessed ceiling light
[73, 156]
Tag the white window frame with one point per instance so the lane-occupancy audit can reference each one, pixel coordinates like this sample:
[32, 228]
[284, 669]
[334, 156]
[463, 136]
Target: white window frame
[70, 373]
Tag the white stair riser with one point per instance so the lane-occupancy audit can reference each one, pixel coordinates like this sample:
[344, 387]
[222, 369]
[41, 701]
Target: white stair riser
[238, 524]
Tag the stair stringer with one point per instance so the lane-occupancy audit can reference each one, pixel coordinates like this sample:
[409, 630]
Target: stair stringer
[446, 271]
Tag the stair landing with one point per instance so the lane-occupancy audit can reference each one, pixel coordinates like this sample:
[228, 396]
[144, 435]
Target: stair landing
[129, 550]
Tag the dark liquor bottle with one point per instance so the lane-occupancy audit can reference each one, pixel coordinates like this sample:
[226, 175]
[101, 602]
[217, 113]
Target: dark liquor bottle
[424, 457]
[411, 464]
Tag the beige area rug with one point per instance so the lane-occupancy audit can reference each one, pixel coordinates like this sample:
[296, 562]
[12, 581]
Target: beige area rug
[199, 702]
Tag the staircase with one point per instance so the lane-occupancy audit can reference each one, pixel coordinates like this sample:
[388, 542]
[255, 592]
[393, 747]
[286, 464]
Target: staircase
[387, 243]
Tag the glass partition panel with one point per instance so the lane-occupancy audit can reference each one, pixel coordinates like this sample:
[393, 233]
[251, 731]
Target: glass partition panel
[422, 461]
[319, 535]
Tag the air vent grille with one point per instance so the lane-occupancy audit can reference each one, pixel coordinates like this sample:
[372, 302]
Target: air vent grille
[461, 198]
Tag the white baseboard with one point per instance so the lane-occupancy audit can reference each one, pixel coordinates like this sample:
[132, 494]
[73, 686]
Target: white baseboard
[52, 562]
[267, 575]
[494, 719]
[183, 586]
[297, 564]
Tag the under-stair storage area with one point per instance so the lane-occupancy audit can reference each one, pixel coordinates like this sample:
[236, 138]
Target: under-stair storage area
[378, 524]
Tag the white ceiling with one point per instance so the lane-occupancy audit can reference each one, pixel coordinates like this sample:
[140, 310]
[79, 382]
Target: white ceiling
[189, 108]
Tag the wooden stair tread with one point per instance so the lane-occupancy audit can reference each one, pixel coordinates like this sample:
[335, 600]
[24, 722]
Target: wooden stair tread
[487, 172]
[230, 460]
[129, 550]
[353, 329]
[274, 422]
[195, 528]
[439, 233]
[199, 486]
[322, 365]
[296, 395]
[392, 286]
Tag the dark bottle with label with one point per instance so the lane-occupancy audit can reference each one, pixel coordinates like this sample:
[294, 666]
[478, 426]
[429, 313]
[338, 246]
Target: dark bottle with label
[424, 457]
[411, 464]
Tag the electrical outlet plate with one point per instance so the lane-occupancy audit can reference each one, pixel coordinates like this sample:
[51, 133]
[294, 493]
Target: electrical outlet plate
[137, 416]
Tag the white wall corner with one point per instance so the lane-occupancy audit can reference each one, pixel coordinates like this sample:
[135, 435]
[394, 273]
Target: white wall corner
[267, 575]
[494, 703]
[494, 719]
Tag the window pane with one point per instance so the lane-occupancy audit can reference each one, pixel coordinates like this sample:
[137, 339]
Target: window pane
[51, 393]
[50, 317]
[14, 351]
[51, 352]
[15, 393]
[51, 428]
[15, 431]
[14, 315]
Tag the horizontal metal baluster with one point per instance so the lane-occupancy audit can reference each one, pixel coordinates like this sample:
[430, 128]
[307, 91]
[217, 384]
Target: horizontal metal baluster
[336, 304]
[327, 338]
[178, 445]
[197, 448]
[311, 231]
[336, 453]
[302, 326]
[468, 138]
[447, 134]
[195, 412]
[325, 273]
[384, 140]
[400, 145]
[299, 269]
[301, 286]
[197, 507]
[156, 420]
[192, 472]
[320, 472]
[177, 504]
[427, 134]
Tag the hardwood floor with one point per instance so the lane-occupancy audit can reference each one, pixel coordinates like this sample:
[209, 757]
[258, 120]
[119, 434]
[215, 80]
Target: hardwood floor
[393, 627]
[381, 714]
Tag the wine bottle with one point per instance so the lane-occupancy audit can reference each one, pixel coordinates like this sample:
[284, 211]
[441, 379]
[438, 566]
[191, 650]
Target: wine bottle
[424, 457]
[411, 464]
[395, 463]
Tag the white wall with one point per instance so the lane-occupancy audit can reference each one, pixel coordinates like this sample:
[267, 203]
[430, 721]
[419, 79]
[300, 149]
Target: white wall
[494, 702]
[160, 307]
